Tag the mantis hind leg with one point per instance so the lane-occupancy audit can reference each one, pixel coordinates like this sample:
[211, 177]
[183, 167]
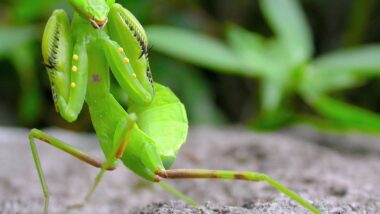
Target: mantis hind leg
[142, 157]
[120, 142]
[235, 175]
[37, 134]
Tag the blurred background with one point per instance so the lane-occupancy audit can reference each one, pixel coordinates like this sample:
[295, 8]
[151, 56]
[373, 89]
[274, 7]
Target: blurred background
[262, 64]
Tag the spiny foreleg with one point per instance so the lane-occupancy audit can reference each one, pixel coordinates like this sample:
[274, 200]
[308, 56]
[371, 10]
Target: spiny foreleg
[67, 65]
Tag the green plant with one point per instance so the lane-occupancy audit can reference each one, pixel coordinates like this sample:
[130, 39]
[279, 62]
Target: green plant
[284, 66]
[18, 38]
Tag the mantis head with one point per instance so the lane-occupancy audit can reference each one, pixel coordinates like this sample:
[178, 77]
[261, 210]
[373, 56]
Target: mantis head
[96, 11]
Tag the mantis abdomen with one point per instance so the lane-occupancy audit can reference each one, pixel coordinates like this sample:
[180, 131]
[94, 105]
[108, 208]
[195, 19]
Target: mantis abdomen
[165, 121]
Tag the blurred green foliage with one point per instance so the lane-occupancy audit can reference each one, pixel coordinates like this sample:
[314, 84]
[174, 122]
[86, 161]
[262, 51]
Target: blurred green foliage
[17, 36]
[265, 72]
[283, 63]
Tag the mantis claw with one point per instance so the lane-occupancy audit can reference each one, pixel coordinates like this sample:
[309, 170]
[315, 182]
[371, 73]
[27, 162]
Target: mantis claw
[56, 50]
[127, 31]
[66, 64]
[125, 74]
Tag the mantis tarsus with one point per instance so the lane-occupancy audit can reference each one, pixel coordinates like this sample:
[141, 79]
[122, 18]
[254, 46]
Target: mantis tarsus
[145, 138]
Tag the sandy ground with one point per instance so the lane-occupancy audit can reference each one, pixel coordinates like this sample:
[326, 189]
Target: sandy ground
[338, 174]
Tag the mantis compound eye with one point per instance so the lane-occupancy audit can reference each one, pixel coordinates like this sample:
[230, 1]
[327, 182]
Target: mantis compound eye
[98, 24]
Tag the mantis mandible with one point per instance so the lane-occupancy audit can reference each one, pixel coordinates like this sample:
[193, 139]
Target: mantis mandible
[78, 56]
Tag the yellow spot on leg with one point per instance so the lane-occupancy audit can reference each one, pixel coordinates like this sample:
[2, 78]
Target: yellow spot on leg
[120, 50]
[75, 57]
[134, 76]
[73, 85]
[126, 60]
[74, 68]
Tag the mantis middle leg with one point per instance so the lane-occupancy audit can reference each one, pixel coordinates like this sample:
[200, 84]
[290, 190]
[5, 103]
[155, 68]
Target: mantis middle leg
[37, 134]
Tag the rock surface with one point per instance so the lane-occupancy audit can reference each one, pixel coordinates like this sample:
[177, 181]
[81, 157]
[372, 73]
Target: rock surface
[335, 180]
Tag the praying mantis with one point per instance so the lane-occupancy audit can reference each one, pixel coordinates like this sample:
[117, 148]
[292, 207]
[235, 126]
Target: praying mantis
[103, 36]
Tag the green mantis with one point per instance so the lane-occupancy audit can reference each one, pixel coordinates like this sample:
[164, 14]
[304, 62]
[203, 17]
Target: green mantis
[147, 136]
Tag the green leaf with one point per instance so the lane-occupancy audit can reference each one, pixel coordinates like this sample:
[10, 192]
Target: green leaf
[274, 105]
[195, 48]
[341, 70]
[140, 8]
[289, 24]
[254, 50]
[364, 61]
[30, 100]
[191, 87]
[274, 112]
[347, 115]
[318, 80]
[12, 37]
[271, 95]
[26, 10]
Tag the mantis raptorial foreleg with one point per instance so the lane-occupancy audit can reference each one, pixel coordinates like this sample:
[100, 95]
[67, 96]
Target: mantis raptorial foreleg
[72, 106]
[56, 50]
[68, 80]
[124, 27]
[125, 74]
